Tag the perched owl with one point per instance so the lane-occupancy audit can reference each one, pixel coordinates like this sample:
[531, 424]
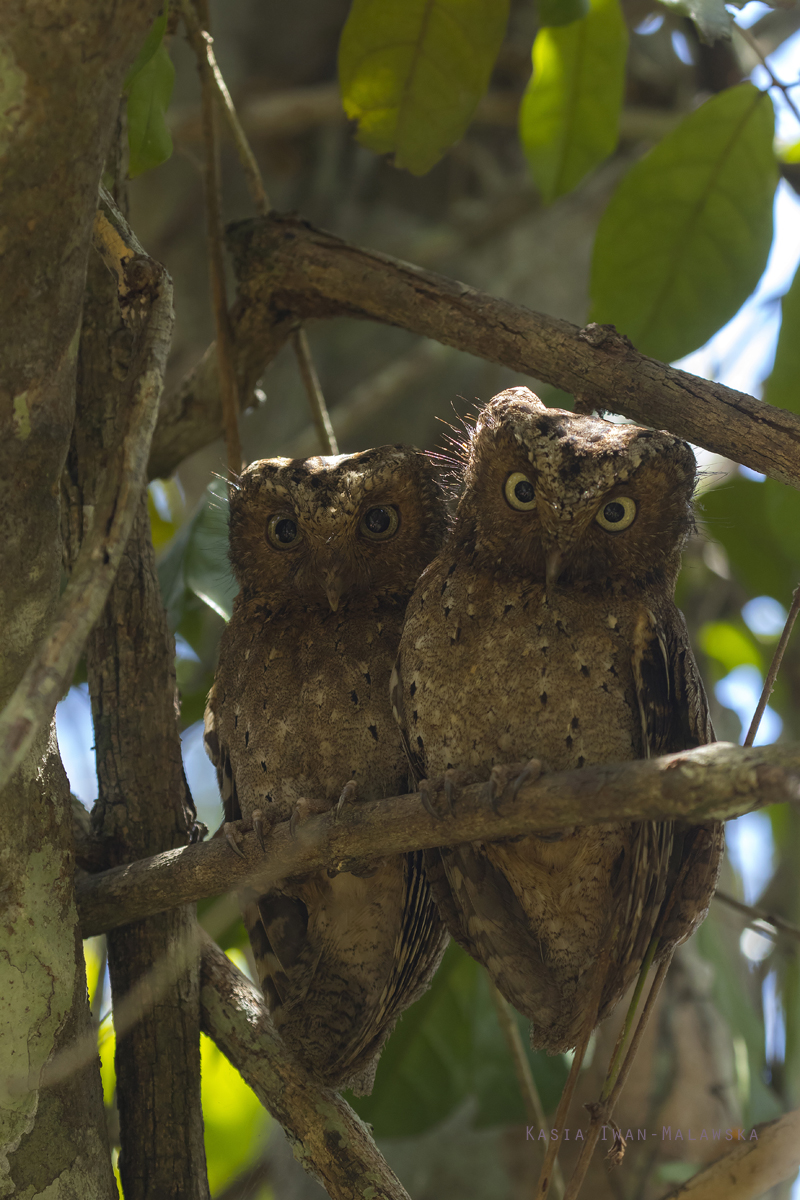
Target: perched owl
[546, 629]
[326, 552]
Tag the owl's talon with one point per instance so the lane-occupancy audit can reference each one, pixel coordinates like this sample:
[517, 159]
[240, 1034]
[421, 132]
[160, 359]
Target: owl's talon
[529, 774]
[304, 809]
[449, 790]
[229, 830]
[258, 826]
[496, 782]
[425, 790]
[348, 794]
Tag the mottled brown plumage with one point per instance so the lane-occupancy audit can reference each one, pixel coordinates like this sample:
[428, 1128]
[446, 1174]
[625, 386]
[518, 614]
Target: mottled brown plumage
[546, 629]
[326, 552]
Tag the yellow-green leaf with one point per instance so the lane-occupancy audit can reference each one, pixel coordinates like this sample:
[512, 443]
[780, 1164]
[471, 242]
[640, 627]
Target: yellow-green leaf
[783, 386]
[412, 71]
[687, 233]
[149, 140]
[569, 118]
[729, 645]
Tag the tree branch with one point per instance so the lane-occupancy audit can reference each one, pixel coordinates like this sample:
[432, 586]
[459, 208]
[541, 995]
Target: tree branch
[327, 1137]
[145, 296]
[711, 782]
[751, 1168]
[290, 272]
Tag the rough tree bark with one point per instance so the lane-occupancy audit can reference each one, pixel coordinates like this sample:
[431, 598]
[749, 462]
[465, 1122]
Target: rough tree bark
[144, 805]
[63, 70]
[711, 782]
[288, 272]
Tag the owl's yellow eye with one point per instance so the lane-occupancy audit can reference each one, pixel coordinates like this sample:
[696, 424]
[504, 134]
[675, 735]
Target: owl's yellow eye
[282, 532]
[380, 523]
[519, 492]
[617, 515]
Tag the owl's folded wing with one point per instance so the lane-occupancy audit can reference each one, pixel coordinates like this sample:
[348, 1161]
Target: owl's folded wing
[674, 714]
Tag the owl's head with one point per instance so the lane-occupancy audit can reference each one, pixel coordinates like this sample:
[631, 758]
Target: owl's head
[335, 527]
[561, 498]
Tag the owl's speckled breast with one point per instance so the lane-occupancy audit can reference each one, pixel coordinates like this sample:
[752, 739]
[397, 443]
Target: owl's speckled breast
[307, 709]
[545, 677]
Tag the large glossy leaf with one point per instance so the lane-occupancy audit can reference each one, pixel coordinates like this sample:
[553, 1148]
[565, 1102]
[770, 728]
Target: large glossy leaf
[711, 17]
[149, 94]
[783, 385]
[426, 1069]
[561, 12]
[759, 526]
[197, 561]
[448, 1047]
[412, 72]
[686, 235]
[569, 118]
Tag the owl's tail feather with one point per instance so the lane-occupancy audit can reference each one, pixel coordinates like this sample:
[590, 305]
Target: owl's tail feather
[600, 972]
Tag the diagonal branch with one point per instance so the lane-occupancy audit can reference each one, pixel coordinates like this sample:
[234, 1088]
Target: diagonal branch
[145, 295]
[752, 1167]
[289, 272]
[330, 1141]
[710, 782]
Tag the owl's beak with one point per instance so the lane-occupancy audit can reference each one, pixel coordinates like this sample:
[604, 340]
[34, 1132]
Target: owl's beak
[333, 585]
[554, 565]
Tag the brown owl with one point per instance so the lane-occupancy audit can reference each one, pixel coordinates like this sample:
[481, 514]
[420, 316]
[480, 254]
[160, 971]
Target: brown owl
[546, 629]
[326, 552]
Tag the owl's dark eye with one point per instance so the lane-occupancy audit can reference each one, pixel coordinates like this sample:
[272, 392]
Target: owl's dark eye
[380, 523]
[617, 515]
[282, 531]
[519, 492]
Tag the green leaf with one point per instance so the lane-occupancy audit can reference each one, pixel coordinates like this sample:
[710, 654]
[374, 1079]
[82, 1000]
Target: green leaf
[729, 645]
[569, 118]
[783, 385]
[426, 1069]
[412, 71]
[759, 526]
[561, 12]
[151, 44]
[712, 19]
[687, 233]
[197, 561]
[149, 140]
[448, 1047]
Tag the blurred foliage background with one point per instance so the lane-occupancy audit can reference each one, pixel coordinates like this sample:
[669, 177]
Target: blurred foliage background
[575, 193]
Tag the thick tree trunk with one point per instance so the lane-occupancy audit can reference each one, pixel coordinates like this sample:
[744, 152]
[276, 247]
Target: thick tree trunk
[63, 69]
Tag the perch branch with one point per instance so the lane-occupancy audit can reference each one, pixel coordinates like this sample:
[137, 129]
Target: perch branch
[145, 293]
[710, 782]
[752, 1167]
[290, 272]
[327, 1137]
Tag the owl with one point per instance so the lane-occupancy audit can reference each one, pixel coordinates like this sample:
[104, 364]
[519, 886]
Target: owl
[326, 552]
[546, 630]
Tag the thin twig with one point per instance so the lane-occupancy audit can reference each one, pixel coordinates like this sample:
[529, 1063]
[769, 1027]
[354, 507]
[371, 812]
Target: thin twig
[784, 87]
[229, 386]
[602, 1112]
[319, 411]
[200, 38]
[775, 666]
[33, 703]
[522, 1069]
[755, 914]
[594, 999]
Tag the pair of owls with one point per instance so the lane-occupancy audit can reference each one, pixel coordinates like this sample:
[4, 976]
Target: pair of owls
[540, 626]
